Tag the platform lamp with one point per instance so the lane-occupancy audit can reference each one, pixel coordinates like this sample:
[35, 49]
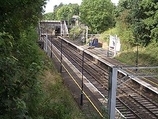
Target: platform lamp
[81, 99]
[61, 52]
[137, 56]
[81, 103]
[137, 36]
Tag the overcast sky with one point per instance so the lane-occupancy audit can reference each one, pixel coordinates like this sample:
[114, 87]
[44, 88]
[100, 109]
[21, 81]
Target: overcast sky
[52, 3]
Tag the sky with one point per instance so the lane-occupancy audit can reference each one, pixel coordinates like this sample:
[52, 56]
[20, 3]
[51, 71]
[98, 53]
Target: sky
[51, 3]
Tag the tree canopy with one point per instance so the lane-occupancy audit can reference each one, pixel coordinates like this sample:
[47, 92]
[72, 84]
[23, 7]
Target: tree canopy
[17, 15]
[20, 60]
[67, 11]
[98, 15]
[63, 12]
[141, 18]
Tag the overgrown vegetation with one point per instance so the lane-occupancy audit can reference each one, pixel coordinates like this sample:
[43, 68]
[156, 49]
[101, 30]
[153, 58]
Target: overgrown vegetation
[20, 64]
[24, 94]
[146, 56]
[18, 15]
[136, 25]
[54, 99]
[75, 32]
[20, 60]
[139, 18]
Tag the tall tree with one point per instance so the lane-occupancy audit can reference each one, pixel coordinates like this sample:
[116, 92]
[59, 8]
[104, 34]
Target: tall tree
[124, 21]
[141, 18]
[67, 11]
[98, 15]
[17, 15]
[56, 7]
[63, 12]
[148, 20]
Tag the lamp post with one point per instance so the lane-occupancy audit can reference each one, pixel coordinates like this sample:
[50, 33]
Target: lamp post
[137, 56]
[137, 33]
[61, 51]
[81, 100]
[46, 42]
[51, 48]
[82, 78]
[86, 33]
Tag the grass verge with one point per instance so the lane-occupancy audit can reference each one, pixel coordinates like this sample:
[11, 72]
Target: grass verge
[56, 102]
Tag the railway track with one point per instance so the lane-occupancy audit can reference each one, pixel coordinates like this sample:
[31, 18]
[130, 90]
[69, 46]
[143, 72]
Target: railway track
[142, 106]
[130, 100]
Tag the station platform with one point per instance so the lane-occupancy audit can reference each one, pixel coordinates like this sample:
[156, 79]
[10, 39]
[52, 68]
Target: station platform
[106, 57]
[102, 55]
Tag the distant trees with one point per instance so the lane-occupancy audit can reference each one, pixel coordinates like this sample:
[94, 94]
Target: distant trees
[67, 11]
[63, 12]
[49, 16]
[98, 15]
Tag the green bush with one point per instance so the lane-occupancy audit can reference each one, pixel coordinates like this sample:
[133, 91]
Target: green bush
[27, 92]
[20, 64]
[75, 32]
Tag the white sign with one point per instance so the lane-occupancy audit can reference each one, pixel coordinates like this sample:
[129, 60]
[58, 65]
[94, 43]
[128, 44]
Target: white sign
[114, 44]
